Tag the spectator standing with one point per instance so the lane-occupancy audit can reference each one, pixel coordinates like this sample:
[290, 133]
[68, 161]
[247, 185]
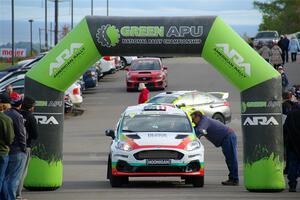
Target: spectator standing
[31, 130]
[284, 79]
[17, 154]
[283, 43]
[265, 52]
[6, 136]
[276, 59]
[144, 94]
[294, 48]
[221, 136]
[292, 142]
[11, 93]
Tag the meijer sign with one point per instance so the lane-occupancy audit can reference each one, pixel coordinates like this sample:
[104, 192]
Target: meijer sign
[7, 52]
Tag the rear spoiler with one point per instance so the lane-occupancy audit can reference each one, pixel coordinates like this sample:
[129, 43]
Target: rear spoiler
[221, 95]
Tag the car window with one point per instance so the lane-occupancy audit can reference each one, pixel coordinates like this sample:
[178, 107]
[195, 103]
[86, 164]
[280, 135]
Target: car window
[145, 65]
[19, 90]
[162, 99]
[266, 35]
[156, 123]
[186, 99]
[18, 83]
[202, 99]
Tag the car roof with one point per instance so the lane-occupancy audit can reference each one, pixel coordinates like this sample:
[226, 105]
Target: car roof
[149, 108]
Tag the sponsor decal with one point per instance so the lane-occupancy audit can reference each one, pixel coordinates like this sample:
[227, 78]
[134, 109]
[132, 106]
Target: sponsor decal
[110, 36]
[234, 59]
[7, 53]
[260, 120]
[46, 120]
[259, 104]
[65, 59]
[48, 103]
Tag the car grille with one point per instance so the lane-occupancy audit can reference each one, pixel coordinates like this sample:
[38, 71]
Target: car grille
[144, 79]
[158, 154]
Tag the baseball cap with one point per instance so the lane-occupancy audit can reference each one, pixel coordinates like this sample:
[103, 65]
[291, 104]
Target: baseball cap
[16, 101]
[4, 98]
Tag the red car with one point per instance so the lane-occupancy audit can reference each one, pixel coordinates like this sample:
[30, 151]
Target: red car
[150, 71]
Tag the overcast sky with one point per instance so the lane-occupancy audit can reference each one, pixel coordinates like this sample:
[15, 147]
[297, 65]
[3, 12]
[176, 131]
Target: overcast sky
[234, 12]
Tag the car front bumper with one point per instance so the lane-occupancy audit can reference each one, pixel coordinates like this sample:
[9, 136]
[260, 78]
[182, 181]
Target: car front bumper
[191, 163]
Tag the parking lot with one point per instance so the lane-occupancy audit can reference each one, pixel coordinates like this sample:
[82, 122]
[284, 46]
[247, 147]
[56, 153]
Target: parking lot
[86, 146]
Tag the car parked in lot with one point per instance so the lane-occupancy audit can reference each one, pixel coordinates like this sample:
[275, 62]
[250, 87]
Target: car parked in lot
[265, 38]
[109, 64]
[155, 140]
[90, 77]
[18, 81]
[126, 60]
[213, 104]
[150, 71]
[19, 68]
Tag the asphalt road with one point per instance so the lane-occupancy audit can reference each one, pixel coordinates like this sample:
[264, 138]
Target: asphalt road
[86, 146]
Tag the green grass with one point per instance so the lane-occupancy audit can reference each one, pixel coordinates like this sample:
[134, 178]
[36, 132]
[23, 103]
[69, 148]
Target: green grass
[3, 65]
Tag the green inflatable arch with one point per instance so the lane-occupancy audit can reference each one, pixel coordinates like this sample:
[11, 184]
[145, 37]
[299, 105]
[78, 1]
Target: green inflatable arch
[209, 37]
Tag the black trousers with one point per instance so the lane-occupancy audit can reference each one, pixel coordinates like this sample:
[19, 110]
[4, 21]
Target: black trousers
[294, 57]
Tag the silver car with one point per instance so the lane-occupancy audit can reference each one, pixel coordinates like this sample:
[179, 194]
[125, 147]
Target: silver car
[213, 104]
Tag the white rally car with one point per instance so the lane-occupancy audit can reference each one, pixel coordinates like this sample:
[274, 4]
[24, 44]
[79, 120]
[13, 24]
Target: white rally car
[155, 140]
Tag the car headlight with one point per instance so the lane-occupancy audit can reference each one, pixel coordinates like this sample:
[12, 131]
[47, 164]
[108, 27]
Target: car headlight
[124, 146]
[159, 76]
[193, 145]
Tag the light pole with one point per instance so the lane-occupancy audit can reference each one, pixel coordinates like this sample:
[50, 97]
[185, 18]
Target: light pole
[30, 21]
[46, 24]
[107, 6]
[55, 22]
[72, 14]
[12, 31]
[92, 7]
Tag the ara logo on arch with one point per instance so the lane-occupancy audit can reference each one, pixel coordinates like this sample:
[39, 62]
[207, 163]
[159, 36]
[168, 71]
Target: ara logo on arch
[235, 59]
[46, 120]
[260, 120]
[67, 54]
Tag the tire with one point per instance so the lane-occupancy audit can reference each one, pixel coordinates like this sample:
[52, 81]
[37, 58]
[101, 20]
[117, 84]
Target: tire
[197, 181]
[123, 63]
[115, 181]
[219, 117]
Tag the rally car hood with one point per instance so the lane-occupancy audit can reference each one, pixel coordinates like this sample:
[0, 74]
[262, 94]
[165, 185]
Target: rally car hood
[160, 139]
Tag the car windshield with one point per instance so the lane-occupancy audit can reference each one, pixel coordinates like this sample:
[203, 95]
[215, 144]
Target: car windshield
[156, 123]
[162, 99]
[266, 35]
[145, 65]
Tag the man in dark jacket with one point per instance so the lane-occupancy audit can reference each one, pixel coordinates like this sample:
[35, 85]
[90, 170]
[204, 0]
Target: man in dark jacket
[291, 132]
[284, 78]
[283, 43]
[31, 129]
[6, 137]
[221, 136]
[17, 154]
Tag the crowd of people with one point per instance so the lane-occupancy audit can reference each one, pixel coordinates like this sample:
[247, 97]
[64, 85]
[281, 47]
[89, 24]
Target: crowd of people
[277, 53]
[18, 128]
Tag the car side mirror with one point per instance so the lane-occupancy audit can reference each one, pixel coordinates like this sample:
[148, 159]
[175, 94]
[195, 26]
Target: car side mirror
[165, 68]
[181, 105]
[110, 133]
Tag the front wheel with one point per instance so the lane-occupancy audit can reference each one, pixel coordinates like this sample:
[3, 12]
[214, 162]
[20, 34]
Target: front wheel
[116, 181]
[123, 63]
[197, 181]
